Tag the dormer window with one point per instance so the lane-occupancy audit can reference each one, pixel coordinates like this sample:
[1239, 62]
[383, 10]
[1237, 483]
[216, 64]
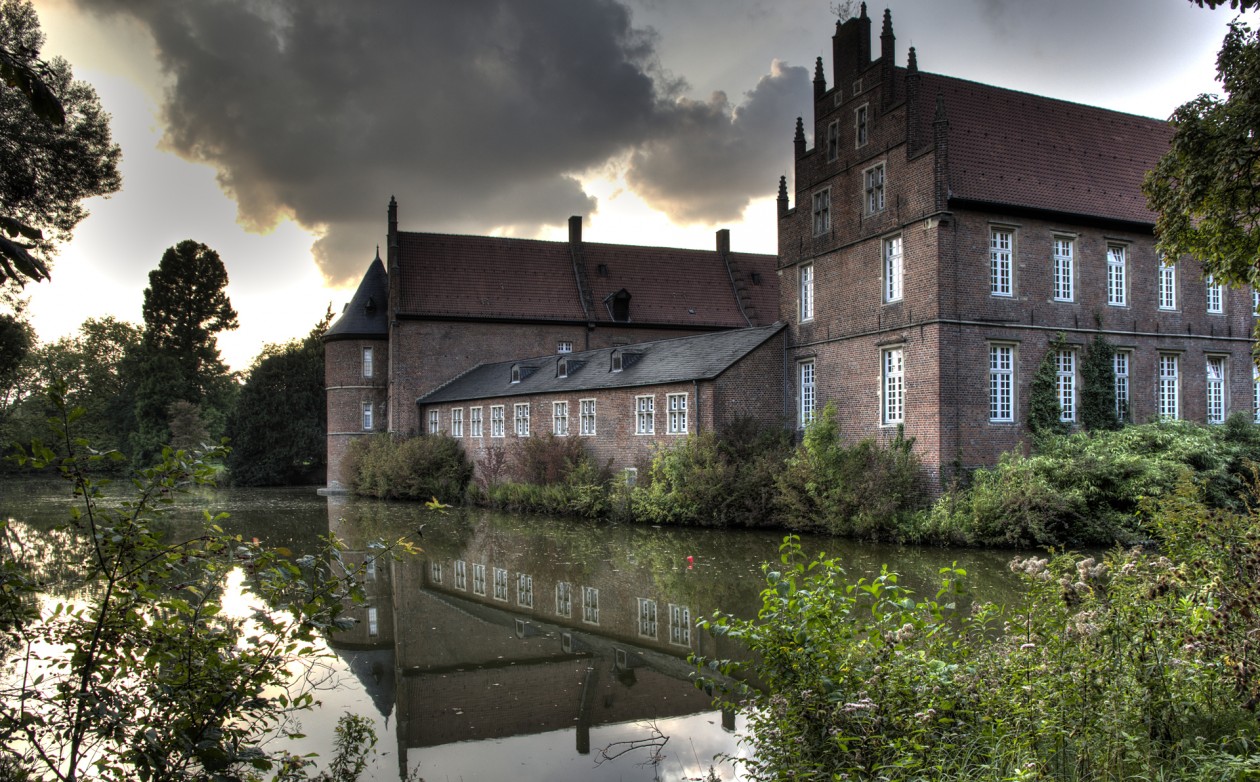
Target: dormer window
[516, 373]
[616, 361]
[618, 304]
[562, 368]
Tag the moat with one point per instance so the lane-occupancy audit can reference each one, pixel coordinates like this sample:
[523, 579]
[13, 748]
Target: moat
[526, 648]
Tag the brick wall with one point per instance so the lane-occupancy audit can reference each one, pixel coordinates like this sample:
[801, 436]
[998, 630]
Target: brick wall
[347, 391]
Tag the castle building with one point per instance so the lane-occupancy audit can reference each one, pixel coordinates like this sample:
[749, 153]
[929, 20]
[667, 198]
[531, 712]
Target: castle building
[944, 232]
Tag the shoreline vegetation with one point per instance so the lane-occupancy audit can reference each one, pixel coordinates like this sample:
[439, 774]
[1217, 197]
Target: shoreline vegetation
[1083, 489]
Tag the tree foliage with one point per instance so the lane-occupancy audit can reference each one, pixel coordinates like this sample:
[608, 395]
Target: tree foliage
[1098, 386]
[1205, 189]
[1044, 412]
[278, 426]
[55, 148]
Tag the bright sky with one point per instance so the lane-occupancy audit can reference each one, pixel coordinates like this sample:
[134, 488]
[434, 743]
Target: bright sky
[276, 132]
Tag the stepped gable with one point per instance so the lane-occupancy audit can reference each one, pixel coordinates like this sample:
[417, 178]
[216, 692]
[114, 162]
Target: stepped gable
[1029, 151]
[485, 277]
[367, 314]
[702, 357]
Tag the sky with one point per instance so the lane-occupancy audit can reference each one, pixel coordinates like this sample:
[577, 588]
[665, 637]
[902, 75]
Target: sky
[276, 131]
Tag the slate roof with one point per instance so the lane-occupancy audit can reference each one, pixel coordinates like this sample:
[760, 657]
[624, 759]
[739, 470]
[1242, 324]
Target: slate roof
[1023, 150]
[446, 275]
[367, 314]
[679, 360]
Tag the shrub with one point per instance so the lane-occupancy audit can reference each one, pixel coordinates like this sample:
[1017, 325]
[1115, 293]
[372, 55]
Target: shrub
[417, 468]
[544, 460]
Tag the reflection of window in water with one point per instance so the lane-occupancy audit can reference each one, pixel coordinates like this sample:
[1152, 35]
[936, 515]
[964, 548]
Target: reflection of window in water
[647, 617]
[372, 626]
[590, 605]
[435, 571]
[500, 584]
[679, 625]
[564, 599]
[525, 590]
[479, 580]
[461, 574]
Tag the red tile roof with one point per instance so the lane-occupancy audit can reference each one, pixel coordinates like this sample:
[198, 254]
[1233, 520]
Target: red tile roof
[483, 276]
[1023, 150]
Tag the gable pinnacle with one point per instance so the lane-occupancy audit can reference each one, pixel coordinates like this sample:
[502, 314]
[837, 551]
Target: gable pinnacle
[800, 130]
[818, 70]
[887, 23]
[783, 188]
[913, 65]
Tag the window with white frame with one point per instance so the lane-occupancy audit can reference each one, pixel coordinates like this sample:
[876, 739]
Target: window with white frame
[860, 127]
[373, 621]
[562, 368]
[457, 422]
[892, 269]
[564, 598]
[1065, 382]
[644, 410]
[525, 590]
[833, 140]
[461, 574]
[435, 421]
[500, 584]
[367, 362]
[1255, 393]
[676, 406]
[822, 211]
[1064, 268]
[1002, 383]
[874, 181]
[1001, 279]
[679, 625]
[647, 618]
[1217, 376]
[475, 422]
[805, 412]
[807, 292]
[479, 580]
[590, 605]
[1120, 368]
[1167, 285]
[520, 419]
[1255, 303]
[1117, 275]
[564, 346]
[1215, 295]
[894, 387]
[631, 476]
[560, 418]
[586, 417]
[1169, 387]
[435, 572]
[496, 420]
[367, 416]
[516, 373]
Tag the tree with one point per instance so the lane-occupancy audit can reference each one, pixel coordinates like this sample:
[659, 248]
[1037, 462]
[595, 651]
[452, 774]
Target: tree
[1044, 412]
[1098, 386]
[1206, 189]
[278, 427]
[55, 148]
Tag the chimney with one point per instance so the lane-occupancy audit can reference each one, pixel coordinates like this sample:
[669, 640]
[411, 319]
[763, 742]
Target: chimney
[575, 230]
[888, 61]
[724, 241]
[851, 49]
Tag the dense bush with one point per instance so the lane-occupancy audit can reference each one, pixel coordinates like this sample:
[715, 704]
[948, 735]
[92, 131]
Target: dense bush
[545, 459]
[416, 468]
[865, 490]
[547, 474]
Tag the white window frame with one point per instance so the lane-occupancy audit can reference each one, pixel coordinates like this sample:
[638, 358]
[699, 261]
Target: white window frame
[806, 288]
[679, 625]
[564, 599]
[1255, 393]
[373, 621]
[590, 605]
[560, 419]
[1001, 262]
[586, 417]
[1121, 361]
[873, 189]
[1255, 303]
[1215, 292]
[367, 361]
[496, 421]
[1167, 285]
[861, 126]
[435, 572]
[1216, 385]
[564, 346]
[479, 579]
[367, 416]
[1169, 386]
[676, 408]
[1065, 384]
[520, 419]
[894, 268]
[461, 574]
[647, 618]
[807, 398]
[1002, 365]
[893, 370]
[631, 476]
[500, 584]
[435, 422]
[822, 211]
[475, 424]
[457, 422]
[525, 590]
[645, 414]
[1063, 252]
[1117, 275]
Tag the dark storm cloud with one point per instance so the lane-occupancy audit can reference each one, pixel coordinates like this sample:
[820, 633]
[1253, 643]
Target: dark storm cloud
[475, 114]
